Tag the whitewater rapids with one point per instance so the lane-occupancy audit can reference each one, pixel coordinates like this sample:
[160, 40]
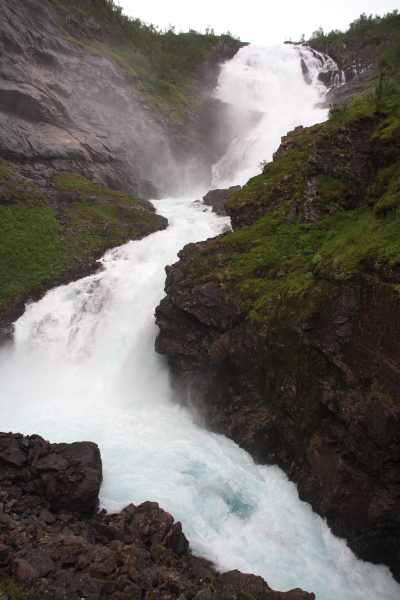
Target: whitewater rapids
[83, 367]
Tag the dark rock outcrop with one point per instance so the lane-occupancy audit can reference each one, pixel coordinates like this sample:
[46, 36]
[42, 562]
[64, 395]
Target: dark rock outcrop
[54, 543]
[357, 64]
[58, 477]
[313, 385]
[216, 199]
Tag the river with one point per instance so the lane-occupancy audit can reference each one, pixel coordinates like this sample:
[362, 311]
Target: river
[83, 367]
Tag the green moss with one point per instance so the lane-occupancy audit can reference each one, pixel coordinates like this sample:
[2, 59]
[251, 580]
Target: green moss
[4, 169]
[29, 248]
[132, 551]
[330, 189]
[279, 180]
[158, 551]
[36, 248]
[386, 130]
[72, 182]
[276, 257]
[11, 590]
[98, 576]
[244, 596]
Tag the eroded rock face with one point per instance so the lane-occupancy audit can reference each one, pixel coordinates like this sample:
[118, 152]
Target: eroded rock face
[216, 199]
[301, 394]
[65, 109]
[53, 542]
[314, 387]
[59, 476]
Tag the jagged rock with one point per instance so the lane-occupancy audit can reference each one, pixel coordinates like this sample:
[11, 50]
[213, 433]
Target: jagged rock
[11, 453]
[313, 385]
[67, 476]
[139, 553]
[216, 199]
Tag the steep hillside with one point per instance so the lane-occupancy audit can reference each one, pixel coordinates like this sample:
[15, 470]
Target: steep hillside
[287, 330]
[71, 98]
[94, 114]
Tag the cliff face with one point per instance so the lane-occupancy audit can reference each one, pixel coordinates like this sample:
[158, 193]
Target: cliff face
[285, 333]
[81, 145]
[64, 108]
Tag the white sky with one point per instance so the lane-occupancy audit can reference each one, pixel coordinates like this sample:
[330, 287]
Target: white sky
[256, 21]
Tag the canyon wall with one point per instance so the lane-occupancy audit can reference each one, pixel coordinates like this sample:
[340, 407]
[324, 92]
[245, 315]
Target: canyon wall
[284, 335]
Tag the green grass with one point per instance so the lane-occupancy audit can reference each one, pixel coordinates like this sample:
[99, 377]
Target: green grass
[4, 169]
[71, 182]
[274, 257]
[37, 249]
[11, 590]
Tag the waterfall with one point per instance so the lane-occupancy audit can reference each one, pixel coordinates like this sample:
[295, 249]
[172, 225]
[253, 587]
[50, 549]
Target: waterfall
[83, 368]
[265, 90]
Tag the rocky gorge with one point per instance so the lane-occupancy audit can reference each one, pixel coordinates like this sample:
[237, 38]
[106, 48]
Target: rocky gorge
[55, 543]
[282, 335]
[285, 332]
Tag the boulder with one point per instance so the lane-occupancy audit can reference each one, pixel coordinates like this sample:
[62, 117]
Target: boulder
[54, 544]
[216, 199]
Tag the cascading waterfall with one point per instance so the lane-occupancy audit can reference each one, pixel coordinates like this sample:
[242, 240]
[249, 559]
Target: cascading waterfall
[83, 367]
[266, 92]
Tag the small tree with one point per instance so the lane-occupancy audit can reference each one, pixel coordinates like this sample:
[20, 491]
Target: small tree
[383, 66]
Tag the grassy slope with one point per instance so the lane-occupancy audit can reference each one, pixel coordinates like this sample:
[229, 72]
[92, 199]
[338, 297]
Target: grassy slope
[283, 254]
[39, 246]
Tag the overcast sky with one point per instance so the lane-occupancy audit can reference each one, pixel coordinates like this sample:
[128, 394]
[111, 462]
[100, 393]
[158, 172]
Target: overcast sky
[256, 21]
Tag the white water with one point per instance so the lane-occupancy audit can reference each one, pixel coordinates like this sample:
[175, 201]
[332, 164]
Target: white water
[83, 367]
[268, 96]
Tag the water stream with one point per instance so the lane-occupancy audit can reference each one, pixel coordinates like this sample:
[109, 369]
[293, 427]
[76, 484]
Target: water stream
[83, 368]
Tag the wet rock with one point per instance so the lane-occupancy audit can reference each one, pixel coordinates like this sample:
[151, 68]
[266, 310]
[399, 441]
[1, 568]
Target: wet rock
[24, 572]
[216, 198]
[5, 554]
[139, 553]
[176, 539]
[52, 462]
[315, 390]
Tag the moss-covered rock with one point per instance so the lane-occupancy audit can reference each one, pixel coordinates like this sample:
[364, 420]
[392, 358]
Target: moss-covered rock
[288, 328]
[51, 236]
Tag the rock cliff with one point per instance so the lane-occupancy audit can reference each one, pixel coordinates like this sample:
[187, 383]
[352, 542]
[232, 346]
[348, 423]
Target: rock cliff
[54, 544]
[67, 104]
[82, 145]
[285, 333]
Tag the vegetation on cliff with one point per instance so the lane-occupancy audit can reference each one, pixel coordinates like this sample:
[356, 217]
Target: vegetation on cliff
[161, 65]
[287, 328]
[327, 207]
[333, 225]
[50, 237]
[367, 30]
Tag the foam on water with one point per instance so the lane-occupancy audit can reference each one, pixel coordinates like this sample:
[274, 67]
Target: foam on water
[83, 367]
[267, 94]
